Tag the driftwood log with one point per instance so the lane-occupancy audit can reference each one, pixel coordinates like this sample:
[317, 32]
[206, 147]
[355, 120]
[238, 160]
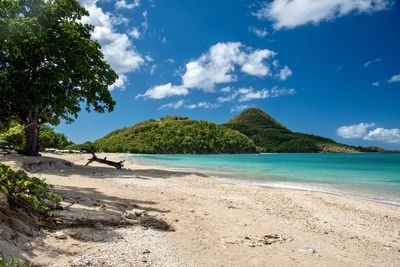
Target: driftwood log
[118, 165]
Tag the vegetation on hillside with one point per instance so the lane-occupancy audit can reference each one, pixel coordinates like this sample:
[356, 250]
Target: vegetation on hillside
[271, 136]
[176, 135]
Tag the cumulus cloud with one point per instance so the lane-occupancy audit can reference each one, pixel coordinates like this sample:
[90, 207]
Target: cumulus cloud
[370, 62]
[163, 91]
[248, 94]
[394, 78]
[258, 32]
[173, 105]
[288, 14]
[117, 48]
[391, 136]
[221, 63]
[181, 104]
[285, 73]
[364, 131]
[123, 4]
[217, 65]
[354, 131]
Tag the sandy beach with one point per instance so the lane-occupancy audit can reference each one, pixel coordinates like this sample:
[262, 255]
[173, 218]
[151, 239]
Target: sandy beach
[213, 223]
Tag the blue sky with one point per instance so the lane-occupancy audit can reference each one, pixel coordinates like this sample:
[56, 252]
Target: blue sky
[330, 68]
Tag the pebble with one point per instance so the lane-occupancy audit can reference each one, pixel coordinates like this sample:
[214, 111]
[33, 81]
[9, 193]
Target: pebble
[307, 249]
[60, 235]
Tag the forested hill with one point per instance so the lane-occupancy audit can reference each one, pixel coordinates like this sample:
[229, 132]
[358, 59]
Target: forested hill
[251, 131]
[174, 134]
[271, 136]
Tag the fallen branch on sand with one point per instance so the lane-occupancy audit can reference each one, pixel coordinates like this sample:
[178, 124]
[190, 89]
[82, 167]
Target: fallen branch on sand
[118, 165]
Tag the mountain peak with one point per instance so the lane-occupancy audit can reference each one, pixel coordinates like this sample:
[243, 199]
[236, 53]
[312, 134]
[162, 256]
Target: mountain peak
[256, 116]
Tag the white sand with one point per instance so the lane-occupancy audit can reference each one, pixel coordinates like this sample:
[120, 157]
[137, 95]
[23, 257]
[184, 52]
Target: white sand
[216, 223]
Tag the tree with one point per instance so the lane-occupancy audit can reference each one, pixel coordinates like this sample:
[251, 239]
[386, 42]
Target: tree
[49, 66]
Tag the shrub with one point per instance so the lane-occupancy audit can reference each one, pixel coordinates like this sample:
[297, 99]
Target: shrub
[28, 192]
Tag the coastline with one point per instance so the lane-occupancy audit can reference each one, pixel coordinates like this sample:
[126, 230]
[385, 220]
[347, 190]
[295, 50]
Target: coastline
[267, 184]
[217, 222]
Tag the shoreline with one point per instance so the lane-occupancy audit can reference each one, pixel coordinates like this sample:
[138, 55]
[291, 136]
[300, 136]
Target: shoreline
[217, 223]
[269, 185]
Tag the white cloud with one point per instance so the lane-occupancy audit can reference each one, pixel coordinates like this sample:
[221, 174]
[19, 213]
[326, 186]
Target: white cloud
[170, 60]
[145, 24]
[258, 32]
[163, 91]
[248, 94]
[285, 73]
[153, 69]
[135, 33]
[368, 63]
[293, 13]
[361, 130]
[173, 105]
[226, 89]
[118, 50]
[376, 84]
[219, 63]
[277, 92]
[354, 131]
[122, 4]
[391, 136]
[394, 78]
[181, 104]
[204, 104]
[238, 108]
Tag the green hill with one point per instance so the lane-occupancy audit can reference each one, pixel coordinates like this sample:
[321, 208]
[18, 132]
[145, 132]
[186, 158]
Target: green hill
[271, 136]
[176, 135]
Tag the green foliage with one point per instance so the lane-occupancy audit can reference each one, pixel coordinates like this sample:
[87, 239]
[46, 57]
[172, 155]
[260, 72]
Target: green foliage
[13, 262]
[271, 136]
[14, 137]
[87, 145]
[176, 135]
[23, 190]
[51, 139]
[49, 65]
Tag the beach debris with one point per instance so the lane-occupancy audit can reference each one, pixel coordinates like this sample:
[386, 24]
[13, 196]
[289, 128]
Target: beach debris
[146, 251]
[307, 249]
[118, 165]
[271, 239]
[191, 210]
[258, 242]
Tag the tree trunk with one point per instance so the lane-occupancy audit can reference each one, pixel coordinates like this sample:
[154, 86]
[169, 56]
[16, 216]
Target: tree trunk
[32, 139]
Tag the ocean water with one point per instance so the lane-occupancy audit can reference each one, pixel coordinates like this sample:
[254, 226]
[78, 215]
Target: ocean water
[374, 176]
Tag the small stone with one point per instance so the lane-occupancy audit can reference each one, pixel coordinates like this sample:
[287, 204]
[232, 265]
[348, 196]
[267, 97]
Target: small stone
[60, 235]
[3, 200]
[192, 210]
[307, 249]
[146, 251]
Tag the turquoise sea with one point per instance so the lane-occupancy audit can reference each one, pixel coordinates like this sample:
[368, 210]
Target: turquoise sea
[368, 175]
